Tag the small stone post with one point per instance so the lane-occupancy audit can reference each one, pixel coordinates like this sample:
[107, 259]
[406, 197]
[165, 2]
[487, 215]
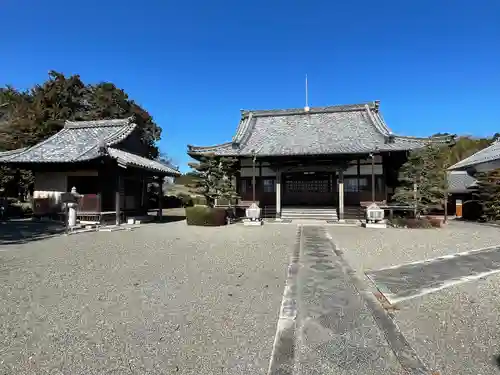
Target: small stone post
[72, 209]
[341, 195]
[160, 197]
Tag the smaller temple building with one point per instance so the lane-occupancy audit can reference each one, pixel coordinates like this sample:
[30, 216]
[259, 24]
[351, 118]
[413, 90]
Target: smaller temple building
[98, 158]
[338, 156]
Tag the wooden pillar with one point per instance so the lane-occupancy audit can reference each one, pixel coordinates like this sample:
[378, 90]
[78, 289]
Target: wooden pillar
[341, 195]
[160, 198]
[144, 188]
[384, 173]
[278, 193]
[373, 178]
[118, 196]
[358, 176]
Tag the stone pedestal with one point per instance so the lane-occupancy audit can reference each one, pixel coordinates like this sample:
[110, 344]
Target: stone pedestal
[72, 214]
[252, 214]
[253, 223]
[378, 225]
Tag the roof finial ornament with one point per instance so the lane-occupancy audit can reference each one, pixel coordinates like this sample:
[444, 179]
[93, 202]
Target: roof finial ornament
[306, 108]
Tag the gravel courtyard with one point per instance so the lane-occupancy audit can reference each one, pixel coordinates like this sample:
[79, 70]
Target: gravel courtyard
[162, 299]
[455, 330]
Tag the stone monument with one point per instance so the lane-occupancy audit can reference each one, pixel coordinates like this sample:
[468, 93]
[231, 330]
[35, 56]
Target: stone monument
[252, 215]
[374, 217]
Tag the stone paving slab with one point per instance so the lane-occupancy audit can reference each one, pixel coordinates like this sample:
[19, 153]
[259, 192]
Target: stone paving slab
[337, 333]
[414, 279]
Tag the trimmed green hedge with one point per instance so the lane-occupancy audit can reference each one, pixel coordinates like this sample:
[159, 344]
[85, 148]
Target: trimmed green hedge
[422, 223]
[205, 216]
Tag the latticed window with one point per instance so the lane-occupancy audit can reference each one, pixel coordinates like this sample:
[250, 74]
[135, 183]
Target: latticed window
[354, 185]
[245, 185]
[269, 185]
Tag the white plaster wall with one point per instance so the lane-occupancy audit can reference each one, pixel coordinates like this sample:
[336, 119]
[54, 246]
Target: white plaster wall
[52, 184]
[266, 172]
[364, 170]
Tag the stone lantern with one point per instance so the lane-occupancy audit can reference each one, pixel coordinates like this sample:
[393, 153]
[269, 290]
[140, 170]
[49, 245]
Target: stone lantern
[71, 202]
[374, 217]
[252, 214]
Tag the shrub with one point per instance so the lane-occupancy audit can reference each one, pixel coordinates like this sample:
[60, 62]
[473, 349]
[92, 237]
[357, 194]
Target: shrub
[205, 216]
[186, 199]
[472, 210]
[436, 222]
[15, 209]
[199, 201]
[171, 201]
[421, 223]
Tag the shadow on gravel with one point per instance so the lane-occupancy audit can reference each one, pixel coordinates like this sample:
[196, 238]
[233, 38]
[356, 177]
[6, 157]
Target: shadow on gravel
[23, 231]
[169, 219]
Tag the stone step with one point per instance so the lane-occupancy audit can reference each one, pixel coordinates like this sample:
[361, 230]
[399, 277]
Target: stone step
[316, 214]
[315, 217]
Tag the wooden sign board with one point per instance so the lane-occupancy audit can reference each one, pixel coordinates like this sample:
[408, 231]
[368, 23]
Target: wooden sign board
[68, 198]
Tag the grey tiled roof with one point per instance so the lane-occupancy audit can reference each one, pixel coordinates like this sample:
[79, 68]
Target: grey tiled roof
[490, 153]
[128, 159]
[86, 140]
[77, 141]
[344, 129]
[460, 182]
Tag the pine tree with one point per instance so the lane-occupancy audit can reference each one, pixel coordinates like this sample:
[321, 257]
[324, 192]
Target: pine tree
[422, 179]
[213, 177]
[488, 193]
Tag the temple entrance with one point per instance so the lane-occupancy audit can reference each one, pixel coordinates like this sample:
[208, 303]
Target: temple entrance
[309, 189]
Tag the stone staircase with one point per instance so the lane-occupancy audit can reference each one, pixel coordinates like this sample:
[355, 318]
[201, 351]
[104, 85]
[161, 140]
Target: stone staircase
[313, 213]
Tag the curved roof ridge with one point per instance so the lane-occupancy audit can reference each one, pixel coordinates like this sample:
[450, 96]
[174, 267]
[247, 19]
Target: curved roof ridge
[129, 158]
[296, 111]
[204, 148]
[374, 122]
[382, 123]
[438, 139]
[110, 140]
[98, 123]
[34, 147]
[487, 154]
[242, 128]
[12, 153]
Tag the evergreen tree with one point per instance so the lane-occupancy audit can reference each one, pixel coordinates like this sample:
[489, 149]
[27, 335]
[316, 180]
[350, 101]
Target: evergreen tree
[488, 194]
[28, 117]
[423, 179]
[213, 177]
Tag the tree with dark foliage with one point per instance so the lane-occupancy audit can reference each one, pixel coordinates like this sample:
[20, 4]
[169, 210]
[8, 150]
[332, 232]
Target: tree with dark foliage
[488, 194]
[28, 117]
[422, 179]
[213, 177]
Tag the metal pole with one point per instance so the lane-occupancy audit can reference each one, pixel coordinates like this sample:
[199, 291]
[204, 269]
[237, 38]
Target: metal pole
[446, 207]
[415, 200]
[253, 179]
[66, 211]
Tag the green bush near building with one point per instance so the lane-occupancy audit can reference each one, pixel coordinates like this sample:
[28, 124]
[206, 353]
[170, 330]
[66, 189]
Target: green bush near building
[205, 216]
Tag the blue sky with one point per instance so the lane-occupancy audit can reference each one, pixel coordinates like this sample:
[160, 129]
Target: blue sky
[435, 65]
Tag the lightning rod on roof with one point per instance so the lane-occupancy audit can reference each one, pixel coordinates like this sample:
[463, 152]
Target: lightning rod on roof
[306, 108]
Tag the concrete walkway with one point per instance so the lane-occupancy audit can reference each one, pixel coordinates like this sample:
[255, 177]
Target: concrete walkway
[340, 328]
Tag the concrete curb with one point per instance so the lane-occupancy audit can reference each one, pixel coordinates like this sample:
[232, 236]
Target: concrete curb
[283, 353]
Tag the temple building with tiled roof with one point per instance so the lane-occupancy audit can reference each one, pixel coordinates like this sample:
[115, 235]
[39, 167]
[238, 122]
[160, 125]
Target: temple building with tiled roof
[484, 160]
[99, 158]
[320, 156]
